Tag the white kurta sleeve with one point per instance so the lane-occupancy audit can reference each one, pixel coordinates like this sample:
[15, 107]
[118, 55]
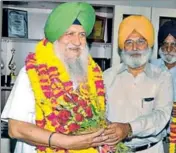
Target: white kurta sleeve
[155, 122]
[21, 102]
[173, 72]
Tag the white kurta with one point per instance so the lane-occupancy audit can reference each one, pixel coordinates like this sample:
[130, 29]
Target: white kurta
[21, 106]
[145, 101]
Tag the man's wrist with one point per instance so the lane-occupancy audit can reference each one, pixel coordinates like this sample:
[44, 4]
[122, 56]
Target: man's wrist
[130, 132]
[49, 139]
[58, 141]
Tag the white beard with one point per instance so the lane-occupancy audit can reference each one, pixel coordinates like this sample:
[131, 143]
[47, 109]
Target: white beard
[168, 57]
[77, 68]
[135, 59]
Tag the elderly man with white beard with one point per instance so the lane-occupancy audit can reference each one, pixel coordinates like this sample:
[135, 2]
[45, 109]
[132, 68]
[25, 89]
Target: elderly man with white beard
[167, 52]
[139, 94]
[51, 97]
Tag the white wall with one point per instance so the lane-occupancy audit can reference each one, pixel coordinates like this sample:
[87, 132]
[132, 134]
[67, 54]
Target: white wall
[147, 3]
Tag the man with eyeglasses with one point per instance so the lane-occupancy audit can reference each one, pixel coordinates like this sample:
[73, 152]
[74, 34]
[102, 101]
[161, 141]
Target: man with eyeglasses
[138, 106]
[167, 46]
[167, 52]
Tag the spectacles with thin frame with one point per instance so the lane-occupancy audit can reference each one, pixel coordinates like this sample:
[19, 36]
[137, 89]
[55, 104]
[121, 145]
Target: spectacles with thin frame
[166, 45]
[129, 43]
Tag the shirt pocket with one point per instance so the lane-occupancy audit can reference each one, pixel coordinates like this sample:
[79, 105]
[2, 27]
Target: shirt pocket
[147, 105]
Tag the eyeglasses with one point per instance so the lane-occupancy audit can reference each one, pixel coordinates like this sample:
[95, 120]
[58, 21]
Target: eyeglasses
[140, 43]
[166, 45]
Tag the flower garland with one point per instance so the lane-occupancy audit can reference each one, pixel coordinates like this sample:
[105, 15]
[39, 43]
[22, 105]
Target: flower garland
[172, 136]
[59, 108]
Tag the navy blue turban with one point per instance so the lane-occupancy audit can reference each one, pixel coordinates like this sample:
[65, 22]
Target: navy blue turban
[166, 29]
[77, 22]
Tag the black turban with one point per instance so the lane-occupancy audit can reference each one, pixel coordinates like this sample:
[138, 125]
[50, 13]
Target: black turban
[166, 29]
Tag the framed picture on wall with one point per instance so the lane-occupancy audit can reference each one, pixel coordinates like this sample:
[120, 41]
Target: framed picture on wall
[15, 23]
[98, 31]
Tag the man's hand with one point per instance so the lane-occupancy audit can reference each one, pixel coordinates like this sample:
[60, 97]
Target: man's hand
[116, 132]
[83, 141]
[36, 136]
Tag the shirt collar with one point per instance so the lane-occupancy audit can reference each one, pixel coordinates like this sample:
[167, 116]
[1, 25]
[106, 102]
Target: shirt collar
[163, 65]
[122, 68]
[147, 69]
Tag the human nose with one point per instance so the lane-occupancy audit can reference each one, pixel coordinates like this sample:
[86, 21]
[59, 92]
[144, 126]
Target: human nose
[169, 48]
[134, 46]
[76, 40]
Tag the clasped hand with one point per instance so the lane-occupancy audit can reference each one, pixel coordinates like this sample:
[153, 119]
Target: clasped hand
[114, 133]
[84, 141]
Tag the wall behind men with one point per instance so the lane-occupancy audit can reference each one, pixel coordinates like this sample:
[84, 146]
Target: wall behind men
[38, 11]
[147, 3]
[144, 3]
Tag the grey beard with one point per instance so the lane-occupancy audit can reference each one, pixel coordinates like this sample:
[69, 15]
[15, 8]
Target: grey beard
[135, 59]
[76, 68]
[168, 57]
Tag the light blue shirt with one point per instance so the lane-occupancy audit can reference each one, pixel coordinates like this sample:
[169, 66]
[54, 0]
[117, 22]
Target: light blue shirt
[160, 63]
[145, 101]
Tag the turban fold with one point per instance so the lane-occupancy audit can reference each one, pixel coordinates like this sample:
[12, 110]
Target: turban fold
[138, 23]
[166, 29]
[64, 15]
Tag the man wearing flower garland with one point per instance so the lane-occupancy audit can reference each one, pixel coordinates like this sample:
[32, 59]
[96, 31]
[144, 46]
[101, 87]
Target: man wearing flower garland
[140, 95]
[59, 93]
[167, 52]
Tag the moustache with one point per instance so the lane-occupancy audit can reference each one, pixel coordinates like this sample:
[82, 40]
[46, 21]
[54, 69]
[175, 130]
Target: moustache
[170, 53]
[134, 53]
[73, 47]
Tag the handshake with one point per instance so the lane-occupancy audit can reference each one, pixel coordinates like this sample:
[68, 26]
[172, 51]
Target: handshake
[111, 136]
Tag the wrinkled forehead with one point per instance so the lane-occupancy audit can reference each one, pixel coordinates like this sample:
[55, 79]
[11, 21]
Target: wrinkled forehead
[170, 38]
[135, 36]
[76, 28]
